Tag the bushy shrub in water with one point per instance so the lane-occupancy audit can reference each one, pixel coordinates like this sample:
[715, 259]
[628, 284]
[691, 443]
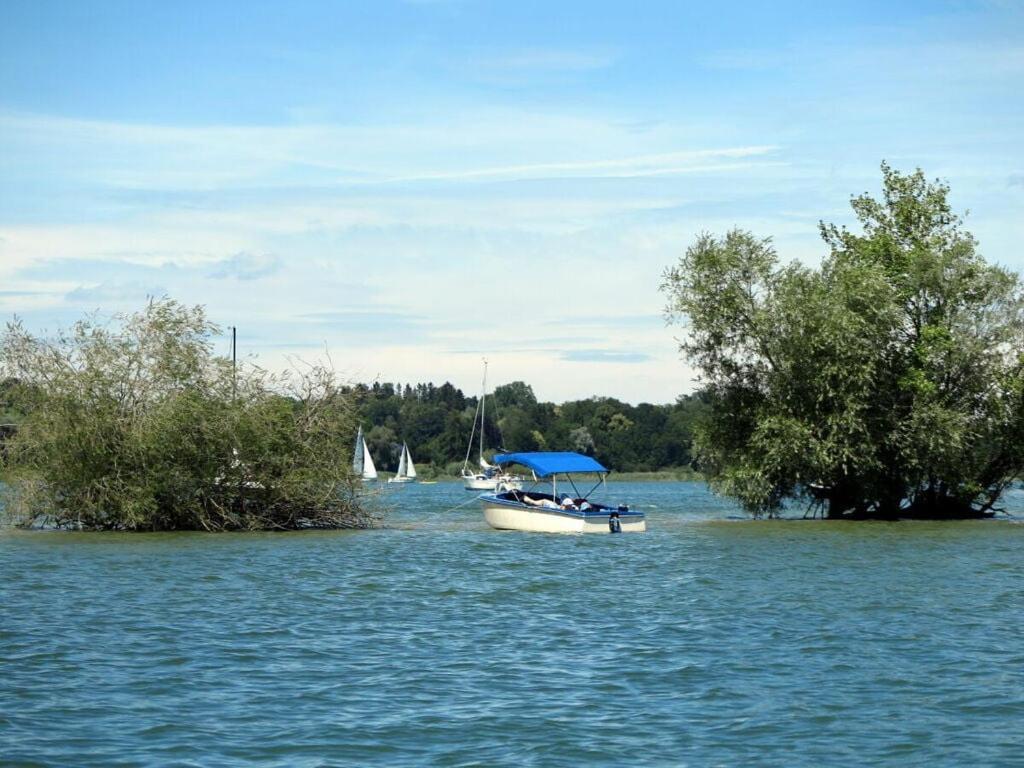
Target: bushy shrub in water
[137, 425]
[888, 382]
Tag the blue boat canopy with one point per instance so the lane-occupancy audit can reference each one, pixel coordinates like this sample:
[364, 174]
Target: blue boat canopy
[551, 463]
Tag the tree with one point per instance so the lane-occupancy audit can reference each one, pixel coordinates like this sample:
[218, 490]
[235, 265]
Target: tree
[582, 441]
[518, 432]
[888, 383]
[515, 394]
[136, 425]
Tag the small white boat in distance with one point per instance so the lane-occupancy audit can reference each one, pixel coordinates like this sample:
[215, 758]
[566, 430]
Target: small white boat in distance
[362, 461]
[489, 476]
[406, 471]
[529, 510]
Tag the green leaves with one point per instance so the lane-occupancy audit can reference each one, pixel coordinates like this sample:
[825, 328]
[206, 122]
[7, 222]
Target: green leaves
[136, 425]
[887, 379]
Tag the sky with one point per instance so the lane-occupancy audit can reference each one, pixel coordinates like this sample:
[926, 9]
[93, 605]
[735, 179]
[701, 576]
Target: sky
[406, 188]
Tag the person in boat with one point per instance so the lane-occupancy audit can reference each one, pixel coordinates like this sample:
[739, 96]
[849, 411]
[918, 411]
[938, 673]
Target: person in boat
[566, 503]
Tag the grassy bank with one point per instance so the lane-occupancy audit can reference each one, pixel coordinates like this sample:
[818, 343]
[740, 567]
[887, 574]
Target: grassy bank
[661, 475]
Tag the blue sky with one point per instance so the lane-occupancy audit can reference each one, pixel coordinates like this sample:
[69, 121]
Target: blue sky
[410, 186]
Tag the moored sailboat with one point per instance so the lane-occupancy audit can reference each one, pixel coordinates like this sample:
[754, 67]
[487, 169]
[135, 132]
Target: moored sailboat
[362, 461]
[489, 476]
[406, 470]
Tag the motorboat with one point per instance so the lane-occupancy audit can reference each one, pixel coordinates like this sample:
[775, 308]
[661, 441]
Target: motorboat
[532, 510]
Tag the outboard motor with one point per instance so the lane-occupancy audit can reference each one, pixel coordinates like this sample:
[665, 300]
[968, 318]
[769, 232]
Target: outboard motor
[614, 524]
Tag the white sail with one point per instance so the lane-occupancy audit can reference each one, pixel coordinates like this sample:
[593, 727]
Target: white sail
[484, 465]
[410, 470]
[369, 471]
[401, 462]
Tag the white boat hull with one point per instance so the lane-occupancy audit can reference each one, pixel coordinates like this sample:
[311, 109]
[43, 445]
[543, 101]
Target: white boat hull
[517, 518]
[401, 479]
[481, 483]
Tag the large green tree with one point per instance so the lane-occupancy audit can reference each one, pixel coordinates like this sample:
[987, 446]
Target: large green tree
[136, 425]
[888, 383]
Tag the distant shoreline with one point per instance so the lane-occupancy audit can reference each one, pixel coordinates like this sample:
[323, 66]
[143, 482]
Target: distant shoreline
[658, 476]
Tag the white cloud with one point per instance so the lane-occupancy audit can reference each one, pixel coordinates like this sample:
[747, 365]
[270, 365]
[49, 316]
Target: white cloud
[114, 293]
[668, 163]
[245, 266]
[463, 146]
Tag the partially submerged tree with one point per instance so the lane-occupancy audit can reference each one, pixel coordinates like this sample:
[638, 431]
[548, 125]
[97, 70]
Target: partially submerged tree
[139, 426]
[888, 383]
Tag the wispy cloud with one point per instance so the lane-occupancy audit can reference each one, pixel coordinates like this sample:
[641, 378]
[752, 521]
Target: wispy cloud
[913, 59]
[114, 293]
[668, 163]
[246, 266]
[611, 320]
[604, 356]
[144, 163]
[359, 327]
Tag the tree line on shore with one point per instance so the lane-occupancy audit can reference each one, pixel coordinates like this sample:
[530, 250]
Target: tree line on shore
[437, 421]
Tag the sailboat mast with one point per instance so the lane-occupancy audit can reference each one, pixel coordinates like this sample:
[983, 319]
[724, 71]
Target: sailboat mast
[483, 410]
[234, 362]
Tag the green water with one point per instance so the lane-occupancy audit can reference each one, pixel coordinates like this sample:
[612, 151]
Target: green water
[706, 641]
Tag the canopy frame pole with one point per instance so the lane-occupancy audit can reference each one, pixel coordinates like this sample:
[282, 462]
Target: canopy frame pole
[569, 478]
[596, 485]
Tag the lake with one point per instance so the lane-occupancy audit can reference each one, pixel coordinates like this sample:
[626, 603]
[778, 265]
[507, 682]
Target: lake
[708, 640]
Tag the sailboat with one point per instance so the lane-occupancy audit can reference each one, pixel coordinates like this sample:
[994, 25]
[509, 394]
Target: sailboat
[362, 461]
[489, 477]
[406, 470]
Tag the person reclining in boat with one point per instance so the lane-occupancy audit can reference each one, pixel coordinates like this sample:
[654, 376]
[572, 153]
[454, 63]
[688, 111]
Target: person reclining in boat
[575, 503]
[567, 503]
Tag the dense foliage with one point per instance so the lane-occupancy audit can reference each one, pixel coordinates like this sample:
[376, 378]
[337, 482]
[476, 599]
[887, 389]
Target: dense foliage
[436, 422]
[889, 382]
[138, 426]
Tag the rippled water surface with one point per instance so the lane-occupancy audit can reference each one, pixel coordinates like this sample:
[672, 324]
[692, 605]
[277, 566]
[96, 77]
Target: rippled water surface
[708, 640]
